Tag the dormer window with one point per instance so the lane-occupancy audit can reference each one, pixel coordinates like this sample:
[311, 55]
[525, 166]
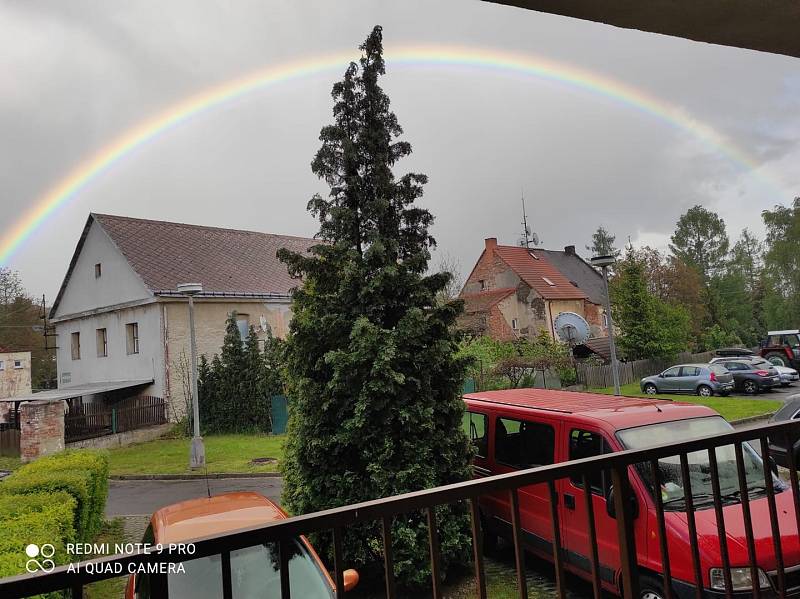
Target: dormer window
[98, 270]
[548, 281]
[483, 284]
[534, 256]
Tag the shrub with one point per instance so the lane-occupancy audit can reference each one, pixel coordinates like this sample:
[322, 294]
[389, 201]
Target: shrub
[38, 518]
[81, 474]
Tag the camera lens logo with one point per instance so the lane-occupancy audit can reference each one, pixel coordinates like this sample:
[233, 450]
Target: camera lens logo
[45, 552]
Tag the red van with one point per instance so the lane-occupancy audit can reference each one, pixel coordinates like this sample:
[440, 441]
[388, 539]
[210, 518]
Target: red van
[524, 428]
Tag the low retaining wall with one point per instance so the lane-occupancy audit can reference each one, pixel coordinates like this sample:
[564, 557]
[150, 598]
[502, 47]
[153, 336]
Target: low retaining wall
[140, 435]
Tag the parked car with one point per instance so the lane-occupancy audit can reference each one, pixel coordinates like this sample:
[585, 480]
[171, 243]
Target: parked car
[782, 348]
[751, 374]
[701, 379]
[788, 375]
[256, 571]
[524, 428]
[779, 448]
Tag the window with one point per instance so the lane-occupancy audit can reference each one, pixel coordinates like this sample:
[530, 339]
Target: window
[534, 256]
[75, 346]
[522, 444]
[102, 343]
[132, 338]
[548, 281]
[98, 270]
[483, 284]
[690, 371]
[514, 324]
[17, 364]
[672, 372]
[243, 323]
[587, 444]
[475, 425]
[605, 320]
[2, 365]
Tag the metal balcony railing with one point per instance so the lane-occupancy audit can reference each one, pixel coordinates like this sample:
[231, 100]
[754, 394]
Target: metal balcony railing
[383, 511]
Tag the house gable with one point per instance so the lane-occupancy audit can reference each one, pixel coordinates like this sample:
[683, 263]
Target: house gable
[88, 286]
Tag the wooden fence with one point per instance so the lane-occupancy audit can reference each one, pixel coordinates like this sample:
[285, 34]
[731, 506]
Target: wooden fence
[632, 372]
[87, 421]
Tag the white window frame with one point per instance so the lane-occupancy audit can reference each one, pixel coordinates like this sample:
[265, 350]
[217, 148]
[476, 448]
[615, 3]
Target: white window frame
[104, 337]
[18, 365]
[2, 365]
[132, 338]
[548, 281]
[514, 324]
[75, 348]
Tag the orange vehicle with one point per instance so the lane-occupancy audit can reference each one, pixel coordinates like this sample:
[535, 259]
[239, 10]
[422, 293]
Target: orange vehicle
[255, 571]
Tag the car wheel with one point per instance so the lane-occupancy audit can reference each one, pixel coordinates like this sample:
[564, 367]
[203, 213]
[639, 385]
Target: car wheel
[704, 391]
[650, 389]
[651, 588]
[777, 359]
[750, 387]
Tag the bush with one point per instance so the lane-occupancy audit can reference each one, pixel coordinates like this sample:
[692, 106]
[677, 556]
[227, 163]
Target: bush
[36, 518]
[81, 474]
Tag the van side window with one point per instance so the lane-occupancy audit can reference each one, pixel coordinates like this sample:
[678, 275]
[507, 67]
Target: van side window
[522, 444]
[587, 444]
[476, 427]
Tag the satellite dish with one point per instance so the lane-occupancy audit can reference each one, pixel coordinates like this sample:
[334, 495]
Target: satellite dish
[535, 238]
[264, 324]
[571, 328]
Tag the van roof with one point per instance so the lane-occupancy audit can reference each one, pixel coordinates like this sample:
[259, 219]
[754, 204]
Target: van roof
[621, 411]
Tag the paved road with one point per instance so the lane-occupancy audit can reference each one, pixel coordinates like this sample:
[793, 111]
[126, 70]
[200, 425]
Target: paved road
[131, 497]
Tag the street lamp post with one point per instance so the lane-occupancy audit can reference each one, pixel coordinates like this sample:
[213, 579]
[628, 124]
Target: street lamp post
[604, 262]
[197, 455]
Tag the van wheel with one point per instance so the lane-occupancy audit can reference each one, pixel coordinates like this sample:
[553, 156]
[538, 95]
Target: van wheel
[650, 389]
[650, 588]
[704, 391]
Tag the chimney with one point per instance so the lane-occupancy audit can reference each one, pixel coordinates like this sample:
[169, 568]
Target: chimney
[569, 250]
[491, 243]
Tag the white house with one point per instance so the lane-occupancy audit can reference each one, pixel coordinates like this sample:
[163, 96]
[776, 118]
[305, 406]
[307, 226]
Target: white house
[121, 325]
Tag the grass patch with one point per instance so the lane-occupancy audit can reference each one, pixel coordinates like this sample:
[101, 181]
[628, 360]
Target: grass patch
[730, 408]
[9, 463]
[111, 532]
[224, 454]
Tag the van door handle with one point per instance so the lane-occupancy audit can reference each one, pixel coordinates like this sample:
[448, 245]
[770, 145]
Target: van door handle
[569, 501]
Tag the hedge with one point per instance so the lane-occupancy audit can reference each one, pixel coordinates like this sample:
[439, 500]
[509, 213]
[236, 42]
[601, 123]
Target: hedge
[38, 518]
[81, 474]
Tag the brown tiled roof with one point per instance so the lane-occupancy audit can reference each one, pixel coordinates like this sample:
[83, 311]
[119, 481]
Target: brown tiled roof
[484, 300]
[532, 270]
[228, 261]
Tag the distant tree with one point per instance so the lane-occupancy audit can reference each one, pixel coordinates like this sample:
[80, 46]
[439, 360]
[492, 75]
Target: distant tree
[649, 326]
[450, 265]
[255, 397]
[11, 288]
[701, 241]
[371, 371]
[782, 265]
[603, 244]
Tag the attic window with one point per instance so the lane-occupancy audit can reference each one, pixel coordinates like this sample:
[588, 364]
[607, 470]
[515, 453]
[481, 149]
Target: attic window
[574, 284]
[534, 256]
[548, 281]
[98, 270]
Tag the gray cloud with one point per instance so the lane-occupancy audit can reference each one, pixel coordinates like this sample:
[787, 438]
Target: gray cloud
[77, 74]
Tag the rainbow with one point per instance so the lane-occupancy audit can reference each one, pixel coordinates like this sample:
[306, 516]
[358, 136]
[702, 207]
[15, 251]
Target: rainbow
[539, 67]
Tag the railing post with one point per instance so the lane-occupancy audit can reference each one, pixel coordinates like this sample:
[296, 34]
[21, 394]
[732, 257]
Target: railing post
[625, 536]
[114, 421]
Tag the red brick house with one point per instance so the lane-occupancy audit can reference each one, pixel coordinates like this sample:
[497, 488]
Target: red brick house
[515, 292]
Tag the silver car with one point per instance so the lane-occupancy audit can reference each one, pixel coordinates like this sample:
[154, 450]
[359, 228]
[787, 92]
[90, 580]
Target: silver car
[701, 379]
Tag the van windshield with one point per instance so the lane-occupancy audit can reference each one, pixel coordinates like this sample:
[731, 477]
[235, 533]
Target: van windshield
[672, 493]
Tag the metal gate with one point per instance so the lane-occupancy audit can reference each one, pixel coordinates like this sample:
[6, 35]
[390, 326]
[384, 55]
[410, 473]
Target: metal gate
[9, 439]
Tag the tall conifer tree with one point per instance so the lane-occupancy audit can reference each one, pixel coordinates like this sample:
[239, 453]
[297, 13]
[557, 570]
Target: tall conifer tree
[373, 379]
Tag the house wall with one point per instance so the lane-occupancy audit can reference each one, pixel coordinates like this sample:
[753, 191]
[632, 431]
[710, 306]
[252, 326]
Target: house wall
[210, 317]
[117, 284]
[594, 316]
[15, 381]
[495, 273]
[118, 365]
[528, 308]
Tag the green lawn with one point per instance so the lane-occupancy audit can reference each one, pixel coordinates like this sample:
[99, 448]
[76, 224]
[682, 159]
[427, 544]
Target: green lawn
[9, 463]
[111, 588]
[224, 453]
[730, 408]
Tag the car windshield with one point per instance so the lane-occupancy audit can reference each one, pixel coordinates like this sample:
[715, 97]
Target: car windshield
[672, 492]
[255, 574]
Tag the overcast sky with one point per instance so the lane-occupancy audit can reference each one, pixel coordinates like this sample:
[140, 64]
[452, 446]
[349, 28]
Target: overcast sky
[75, 75]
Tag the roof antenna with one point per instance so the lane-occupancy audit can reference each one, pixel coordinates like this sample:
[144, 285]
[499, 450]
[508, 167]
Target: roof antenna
[527, 238]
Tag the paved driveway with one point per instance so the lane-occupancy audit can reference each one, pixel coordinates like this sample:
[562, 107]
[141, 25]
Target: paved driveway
[143, 497]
